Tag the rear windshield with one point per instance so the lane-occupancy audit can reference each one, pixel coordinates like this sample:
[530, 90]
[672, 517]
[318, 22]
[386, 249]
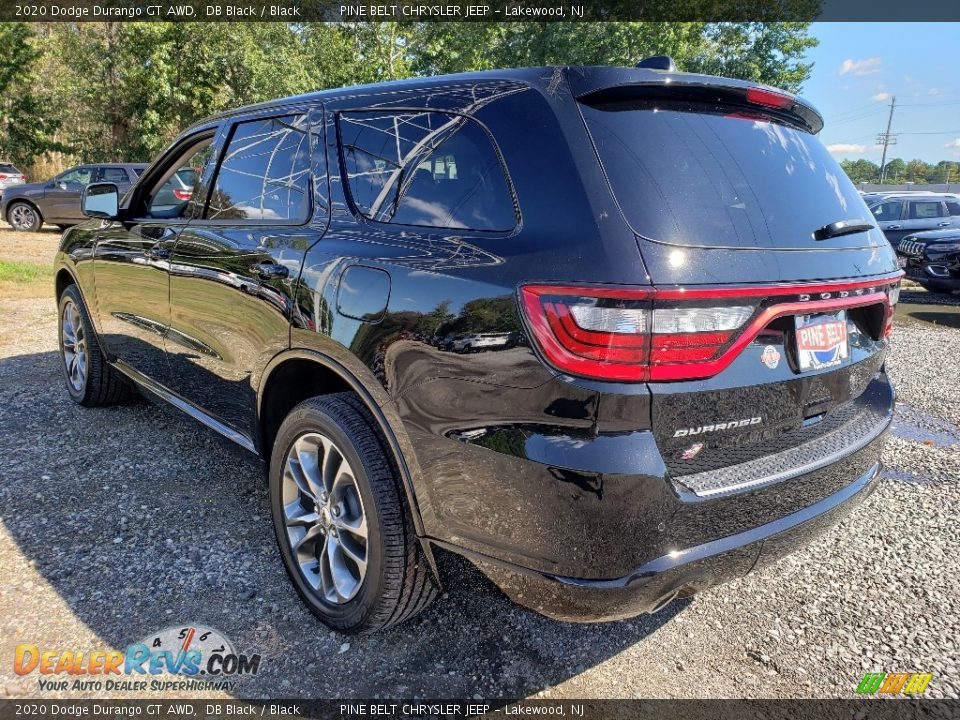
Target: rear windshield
[9, 169]
[699, 175]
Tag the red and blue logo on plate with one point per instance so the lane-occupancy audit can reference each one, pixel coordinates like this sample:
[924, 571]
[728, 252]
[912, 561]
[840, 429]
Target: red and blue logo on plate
[822, 340]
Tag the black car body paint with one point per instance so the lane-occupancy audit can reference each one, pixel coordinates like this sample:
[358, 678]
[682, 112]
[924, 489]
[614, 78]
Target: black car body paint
[574, 493]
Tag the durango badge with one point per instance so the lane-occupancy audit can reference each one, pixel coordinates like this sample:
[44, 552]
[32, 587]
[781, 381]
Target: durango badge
[684, 432]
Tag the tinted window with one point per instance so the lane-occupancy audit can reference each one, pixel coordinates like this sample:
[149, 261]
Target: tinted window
[953, 207]
[428, 168]
[138, 171]
[9, 169]
[891, 210]
[924, 210]
[77, 176]
[172, 196]
[710, 175]
[265, 173]
[113, 175]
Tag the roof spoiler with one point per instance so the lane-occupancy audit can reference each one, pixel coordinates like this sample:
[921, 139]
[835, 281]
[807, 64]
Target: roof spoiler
[597, 85]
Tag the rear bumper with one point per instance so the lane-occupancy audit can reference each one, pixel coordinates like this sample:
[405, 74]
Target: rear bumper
[679, 573]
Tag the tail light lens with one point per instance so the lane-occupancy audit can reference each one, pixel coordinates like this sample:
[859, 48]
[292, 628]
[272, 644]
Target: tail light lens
[182, 195]
[639, 334]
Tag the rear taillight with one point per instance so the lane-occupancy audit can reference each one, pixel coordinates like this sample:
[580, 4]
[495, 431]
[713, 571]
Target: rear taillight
[182, 195]
[639, 334]
[4, 177]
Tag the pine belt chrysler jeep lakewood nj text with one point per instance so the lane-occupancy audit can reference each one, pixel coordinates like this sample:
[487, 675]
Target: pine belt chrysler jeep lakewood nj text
[612, 334]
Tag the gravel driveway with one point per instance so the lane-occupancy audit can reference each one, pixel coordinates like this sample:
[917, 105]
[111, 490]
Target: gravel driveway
[115, 523]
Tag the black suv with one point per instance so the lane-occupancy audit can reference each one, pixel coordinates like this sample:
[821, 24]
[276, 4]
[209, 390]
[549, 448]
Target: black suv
[932, 259]
[57, 201]
[613, 334]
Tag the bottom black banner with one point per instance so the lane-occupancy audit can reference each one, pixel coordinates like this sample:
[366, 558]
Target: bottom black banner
[882, 709]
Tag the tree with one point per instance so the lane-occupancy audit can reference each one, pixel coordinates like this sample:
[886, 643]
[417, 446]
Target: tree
[764, 52]
[26, 129]
[896, 171]
[860, 171]
[917, 171]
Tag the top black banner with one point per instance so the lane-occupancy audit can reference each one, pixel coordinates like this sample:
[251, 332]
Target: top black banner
[478, 10]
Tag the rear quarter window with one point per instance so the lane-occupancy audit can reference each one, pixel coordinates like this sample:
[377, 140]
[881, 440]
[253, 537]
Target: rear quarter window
[925, 210]
[425, 168]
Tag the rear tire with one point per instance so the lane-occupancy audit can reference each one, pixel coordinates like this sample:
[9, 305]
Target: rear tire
[24, 217]
[90, 379]
[341, 518]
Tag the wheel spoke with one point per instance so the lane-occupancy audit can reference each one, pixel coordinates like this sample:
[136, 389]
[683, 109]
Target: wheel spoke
[324, 517]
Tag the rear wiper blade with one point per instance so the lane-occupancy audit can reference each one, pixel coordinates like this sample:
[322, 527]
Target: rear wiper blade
[842, 227]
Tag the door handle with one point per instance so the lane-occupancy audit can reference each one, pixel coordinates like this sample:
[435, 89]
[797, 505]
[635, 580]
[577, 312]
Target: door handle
[944, 224]
[271, 271]
[158, 253]
[894, 227]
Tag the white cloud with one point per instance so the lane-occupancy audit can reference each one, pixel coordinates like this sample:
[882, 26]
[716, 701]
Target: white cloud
[881, 96]
[847, 149]
[866, 66]
[955, 144]
[933, 91]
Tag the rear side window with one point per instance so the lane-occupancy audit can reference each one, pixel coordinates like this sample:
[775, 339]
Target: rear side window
[265, 172]
[113, 175]
[428, 168]
[711, 175]
[925, 210]
[953, 207]
[888, 211]
[138, 171]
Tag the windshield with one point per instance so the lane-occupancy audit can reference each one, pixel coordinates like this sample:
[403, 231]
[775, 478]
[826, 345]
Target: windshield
[699, 174]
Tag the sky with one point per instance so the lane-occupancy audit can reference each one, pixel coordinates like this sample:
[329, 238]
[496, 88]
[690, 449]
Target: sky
[858, 67]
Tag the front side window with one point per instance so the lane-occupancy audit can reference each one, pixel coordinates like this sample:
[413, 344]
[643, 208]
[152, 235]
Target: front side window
[265, 173]
[172, 194]
[77, 176]
[425, 168]
[925, 210]
[887, 211]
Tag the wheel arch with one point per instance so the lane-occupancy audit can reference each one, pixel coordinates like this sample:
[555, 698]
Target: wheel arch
[308, 371]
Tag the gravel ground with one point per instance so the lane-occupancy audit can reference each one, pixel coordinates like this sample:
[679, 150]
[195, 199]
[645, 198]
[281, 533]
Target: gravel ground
[119, 522]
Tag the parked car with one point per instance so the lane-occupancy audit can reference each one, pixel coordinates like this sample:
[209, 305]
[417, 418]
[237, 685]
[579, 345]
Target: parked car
[901, 214]
[57, 201]
[697, 388]
[932, 259]
[10, 176]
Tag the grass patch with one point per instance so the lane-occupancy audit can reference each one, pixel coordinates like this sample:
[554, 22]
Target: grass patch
[24, 272]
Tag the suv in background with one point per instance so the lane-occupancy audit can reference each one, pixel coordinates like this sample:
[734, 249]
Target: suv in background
[57, 201]
[932, 259]
[659, 395]
[10, 176]
[900, 215]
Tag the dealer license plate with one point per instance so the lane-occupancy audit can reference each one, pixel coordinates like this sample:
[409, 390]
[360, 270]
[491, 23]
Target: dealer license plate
[822, 340]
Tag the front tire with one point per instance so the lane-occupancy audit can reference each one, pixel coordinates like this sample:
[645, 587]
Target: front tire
[90, 380]
[24, 217]
[341, 518]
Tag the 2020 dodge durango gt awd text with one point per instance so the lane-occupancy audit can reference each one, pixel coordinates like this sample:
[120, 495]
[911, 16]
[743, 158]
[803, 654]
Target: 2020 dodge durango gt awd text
[693, 300]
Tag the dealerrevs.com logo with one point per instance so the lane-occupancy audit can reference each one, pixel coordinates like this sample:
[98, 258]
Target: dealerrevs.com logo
[192, 658]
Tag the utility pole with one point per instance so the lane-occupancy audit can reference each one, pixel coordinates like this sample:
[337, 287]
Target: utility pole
[886, 139]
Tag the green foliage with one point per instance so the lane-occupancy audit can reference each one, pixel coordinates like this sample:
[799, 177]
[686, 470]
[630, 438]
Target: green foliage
[26, 127]
[860, 171]
[123, 90]
[23, 272]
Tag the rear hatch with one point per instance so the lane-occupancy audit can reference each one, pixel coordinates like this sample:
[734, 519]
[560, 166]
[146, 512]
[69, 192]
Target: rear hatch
[763, 336]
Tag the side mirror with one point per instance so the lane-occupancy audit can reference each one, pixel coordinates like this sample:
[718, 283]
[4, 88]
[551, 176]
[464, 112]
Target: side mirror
[101, 200]
[62, 185]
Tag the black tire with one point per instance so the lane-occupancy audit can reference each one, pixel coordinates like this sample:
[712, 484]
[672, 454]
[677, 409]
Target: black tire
[101, 384]
[398, 582]
[24, 216]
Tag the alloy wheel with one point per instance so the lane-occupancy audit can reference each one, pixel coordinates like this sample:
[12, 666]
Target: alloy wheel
[23, 217]
[74, 344]
[325, 521]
